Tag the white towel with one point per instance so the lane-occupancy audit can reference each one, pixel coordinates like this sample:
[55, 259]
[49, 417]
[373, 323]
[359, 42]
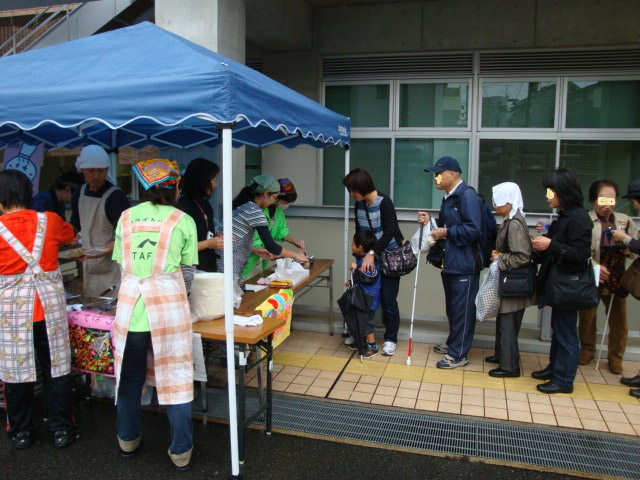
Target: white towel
[252, 321]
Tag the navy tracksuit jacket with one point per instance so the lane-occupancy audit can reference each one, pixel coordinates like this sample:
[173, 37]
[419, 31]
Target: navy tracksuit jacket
[461, 213]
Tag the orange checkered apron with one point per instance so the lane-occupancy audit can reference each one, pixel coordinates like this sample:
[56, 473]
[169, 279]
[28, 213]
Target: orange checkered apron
[170, 363]
[17, 296]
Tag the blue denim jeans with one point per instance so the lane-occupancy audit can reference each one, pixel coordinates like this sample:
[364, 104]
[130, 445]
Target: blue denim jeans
[389, 287]
[132, 377]
[565, 347]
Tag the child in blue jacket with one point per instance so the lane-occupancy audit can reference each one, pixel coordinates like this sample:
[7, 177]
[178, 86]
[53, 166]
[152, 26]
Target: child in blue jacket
[363, 241]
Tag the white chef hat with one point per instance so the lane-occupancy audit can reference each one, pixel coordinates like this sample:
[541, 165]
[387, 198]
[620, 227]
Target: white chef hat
[93, 156]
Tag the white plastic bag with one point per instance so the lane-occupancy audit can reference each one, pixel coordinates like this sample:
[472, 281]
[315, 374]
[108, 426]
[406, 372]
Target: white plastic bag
[207, 296]
[488, 300]
[427, 239]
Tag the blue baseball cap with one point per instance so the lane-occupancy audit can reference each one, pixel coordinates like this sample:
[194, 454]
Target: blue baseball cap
[445, 163]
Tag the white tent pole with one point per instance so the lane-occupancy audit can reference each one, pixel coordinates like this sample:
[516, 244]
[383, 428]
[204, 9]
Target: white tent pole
[228, 294]
[347, 168]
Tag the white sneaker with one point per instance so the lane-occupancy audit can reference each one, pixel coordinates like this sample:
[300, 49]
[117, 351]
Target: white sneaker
[350, 342]
[389, 348]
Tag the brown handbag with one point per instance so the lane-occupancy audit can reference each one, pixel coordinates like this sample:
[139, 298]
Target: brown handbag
[630, 281]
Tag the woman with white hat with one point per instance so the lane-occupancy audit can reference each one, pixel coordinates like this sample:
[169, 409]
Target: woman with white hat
[95, 210]
[513, 250]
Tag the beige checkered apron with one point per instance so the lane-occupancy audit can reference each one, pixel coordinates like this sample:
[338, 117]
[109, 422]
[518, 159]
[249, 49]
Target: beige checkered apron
[170, 366]
[17, 296]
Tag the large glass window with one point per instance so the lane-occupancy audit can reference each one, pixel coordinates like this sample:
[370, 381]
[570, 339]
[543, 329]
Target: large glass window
[372, 154]
[518, 104]
[606, 159]
[525, 162]
[366, 105]
[413, 187]
[434, 104]
[603, 104]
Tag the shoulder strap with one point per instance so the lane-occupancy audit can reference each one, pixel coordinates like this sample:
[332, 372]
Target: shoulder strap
[164, 240]
[31, 259]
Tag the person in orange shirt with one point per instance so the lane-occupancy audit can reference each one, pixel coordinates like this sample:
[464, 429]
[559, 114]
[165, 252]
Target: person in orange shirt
[33, 317]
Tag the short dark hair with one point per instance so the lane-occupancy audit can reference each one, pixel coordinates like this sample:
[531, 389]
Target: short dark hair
[68, 179]
[196, 180]
[359, 181]
[365, 239]
[566, 185]
[598, 185]
[162, 196]
[15, 189]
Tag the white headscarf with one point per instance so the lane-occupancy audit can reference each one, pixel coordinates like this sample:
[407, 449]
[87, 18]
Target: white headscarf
[508, 192]
[94, 156]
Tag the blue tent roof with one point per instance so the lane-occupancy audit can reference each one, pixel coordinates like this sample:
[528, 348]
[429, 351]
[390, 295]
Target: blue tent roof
[152, 88]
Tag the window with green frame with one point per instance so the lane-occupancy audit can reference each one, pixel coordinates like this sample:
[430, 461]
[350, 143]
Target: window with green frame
[603, 104]
[372, 154]
[413, 187]
[365, 105]
[252, 163]
[525, 162]
[425, 105]
[592, 160]
[518, 104]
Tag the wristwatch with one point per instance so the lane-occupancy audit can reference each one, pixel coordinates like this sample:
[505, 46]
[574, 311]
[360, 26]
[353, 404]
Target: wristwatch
[371, 252]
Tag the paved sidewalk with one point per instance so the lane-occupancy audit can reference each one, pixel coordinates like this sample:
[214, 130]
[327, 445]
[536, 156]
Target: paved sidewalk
[318, 365]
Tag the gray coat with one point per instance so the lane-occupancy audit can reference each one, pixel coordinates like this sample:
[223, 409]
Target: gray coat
[519, 255]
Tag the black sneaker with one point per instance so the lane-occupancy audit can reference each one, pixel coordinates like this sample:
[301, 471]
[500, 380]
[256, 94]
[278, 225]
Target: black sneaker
[62, 438]
[371, 351]
[22, 440]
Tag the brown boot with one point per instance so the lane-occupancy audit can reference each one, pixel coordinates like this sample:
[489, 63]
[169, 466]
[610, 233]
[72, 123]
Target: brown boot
[615, 366]
[585, 357]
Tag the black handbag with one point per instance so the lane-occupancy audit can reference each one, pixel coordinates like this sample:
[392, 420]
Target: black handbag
[397, 262]
[435, 255]
[517, 282]
[571, 291]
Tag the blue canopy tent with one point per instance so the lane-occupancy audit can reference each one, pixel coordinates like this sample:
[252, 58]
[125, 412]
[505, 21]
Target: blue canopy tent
[141, 86]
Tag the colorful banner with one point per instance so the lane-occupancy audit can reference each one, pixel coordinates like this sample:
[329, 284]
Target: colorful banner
[25, 158]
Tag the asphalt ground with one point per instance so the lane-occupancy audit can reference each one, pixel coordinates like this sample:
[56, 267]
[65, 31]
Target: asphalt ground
[279, 456]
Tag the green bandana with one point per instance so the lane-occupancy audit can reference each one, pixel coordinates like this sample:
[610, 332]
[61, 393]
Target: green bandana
[266, 183]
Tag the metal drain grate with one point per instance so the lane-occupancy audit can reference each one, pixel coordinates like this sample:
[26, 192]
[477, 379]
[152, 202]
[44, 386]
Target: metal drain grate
[580, 452]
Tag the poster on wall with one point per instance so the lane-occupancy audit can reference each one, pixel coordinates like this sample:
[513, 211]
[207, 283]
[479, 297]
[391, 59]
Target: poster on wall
[25, 158]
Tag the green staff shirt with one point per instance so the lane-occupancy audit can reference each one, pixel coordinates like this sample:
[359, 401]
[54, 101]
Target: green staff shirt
[183, 250]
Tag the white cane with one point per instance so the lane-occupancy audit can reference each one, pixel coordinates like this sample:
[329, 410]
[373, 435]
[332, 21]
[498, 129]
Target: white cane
[415, 288]
[604, 334]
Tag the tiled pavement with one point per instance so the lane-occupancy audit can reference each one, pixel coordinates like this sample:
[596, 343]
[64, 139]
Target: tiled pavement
[310, 363]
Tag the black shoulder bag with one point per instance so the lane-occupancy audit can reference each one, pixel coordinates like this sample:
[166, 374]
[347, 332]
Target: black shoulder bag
[571, 291]
[397, 262]
[517, 282]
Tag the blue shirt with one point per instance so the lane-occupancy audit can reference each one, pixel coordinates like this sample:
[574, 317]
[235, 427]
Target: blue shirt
[47, 202]
[369, 282]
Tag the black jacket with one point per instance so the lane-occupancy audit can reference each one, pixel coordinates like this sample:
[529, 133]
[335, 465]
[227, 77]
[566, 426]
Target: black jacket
[570, 247]
[388, 220]
[207, 258]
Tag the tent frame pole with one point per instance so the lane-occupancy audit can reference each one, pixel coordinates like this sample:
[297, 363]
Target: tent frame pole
[228, 293]
[347, 168]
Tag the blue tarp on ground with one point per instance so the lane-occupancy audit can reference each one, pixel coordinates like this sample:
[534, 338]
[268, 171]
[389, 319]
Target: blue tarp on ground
[152, 88]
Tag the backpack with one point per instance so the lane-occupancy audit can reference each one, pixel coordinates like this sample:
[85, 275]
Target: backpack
[487, 240]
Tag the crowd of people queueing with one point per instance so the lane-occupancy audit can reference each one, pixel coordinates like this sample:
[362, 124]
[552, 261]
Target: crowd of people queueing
[568, 244]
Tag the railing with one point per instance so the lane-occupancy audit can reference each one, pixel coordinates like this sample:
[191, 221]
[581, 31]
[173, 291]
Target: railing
[48, 18]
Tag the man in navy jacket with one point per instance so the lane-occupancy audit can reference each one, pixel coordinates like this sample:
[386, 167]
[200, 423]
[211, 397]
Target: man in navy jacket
[462, 228]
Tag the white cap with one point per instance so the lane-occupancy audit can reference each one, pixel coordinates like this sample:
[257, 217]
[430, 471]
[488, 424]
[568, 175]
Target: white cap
[93, 156]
